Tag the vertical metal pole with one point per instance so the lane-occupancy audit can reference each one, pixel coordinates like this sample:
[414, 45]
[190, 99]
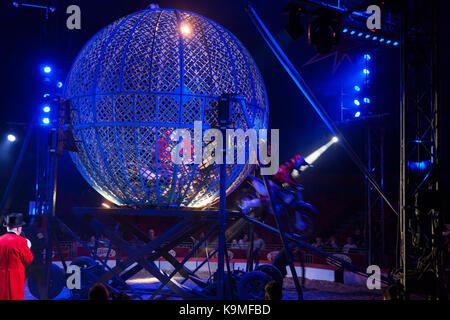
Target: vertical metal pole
[383, 259]
[51, 199]
[224, 109]
[369, 196]
[403, 143]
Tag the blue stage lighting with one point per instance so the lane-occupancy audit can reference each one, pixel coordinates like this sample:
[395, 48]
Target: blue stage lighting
[59, 84]
[345, 30]
[357, 114]
[366, 71]
[356, 101]
[375, 38]
[45, 120]
[46, 95]
[352, 32]
[382, 39]
[47, 69]
[46, 108]
[360, 34]
[366, 100]
[388, 41]
[367, 36]
[357, 88]
[367, 57]
[395, 43]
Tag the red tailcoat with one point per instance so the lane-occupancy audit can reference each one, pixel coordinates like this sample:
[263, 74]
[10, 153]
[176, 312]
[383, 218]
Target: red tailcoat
[14, 256]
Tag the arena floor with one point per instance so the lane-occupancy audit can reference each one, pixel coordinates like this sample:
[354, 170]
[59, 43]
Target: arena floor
[313, 289]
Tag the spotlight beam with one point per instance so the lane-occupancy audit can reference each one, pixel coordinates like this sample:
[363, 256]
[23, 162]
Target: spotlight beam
[317, 153]
[320, 110]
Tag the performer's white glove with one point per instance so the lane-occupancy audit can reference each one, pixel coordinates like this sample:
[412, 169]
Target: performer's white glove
[28, 243]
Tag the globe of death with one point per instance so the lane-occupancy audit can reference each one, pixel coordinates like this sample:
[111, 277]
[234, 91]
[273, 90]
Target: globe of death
[139, 79]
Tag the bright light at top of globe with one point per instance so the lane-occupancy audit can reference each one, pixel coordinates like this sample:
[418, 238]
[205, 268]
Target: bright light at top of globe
[185, 29]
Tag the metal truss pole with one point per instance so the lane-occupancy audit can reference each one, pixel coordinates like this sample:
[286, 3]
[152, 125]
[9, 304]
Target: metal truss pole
[421, 251]
[374, 203]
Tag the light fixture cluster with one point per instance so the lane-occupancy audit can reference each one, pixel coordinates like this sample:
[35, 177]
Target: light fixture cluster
[369, 36]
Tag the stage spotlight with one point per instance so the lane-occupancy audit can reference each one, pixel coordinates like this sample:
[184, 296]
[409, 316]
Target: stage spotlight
[366, 71]
[317, 153]
[294, 27]
[357, 114]
[46, 109]
[366, 100]
[360, 34]
[105, 205]
[345, 30]
[47, 69]
[325, 29]
[185, 30]
[356, 102]
[395, 43]
[45, 120]
[367, 57]
[59, 84]
[352, 32]
[375, 38]
[46, 95]
[357, 88]
[11, 138]
[382, 39]
[388, 41]
[367, 36]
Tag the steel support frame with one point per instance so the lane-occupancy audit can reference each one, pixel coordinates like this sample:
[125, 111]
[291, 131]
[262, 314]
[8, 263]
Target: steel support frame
[420, 223]
[374, 202]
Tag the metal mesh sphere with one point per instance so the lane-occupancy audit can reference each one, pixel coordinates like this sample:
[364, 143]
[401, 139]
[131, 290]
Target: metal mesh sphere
[140, 78]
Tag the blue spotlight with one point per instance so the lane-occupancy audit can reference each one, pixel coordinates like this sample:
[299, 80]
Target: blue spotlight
[375, 38]
[388, 41]
[46, 95]
[45, 120]
[356, 102]
[59, 84]
[46, 108]
[352, 32]
[47, 69]
[345, 30]
[357, 88]
[367, 57]
[366, 71]
[11, 138]
[360, 34]
[395, 43]
[367, 36]
[357, 114]
[382, 39]
[366, 100]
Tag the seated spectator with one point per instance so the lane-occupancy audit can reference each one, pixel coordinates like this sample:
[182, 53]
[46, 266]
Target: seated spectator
[331, 243]
[98, 292]
[151, 234]
[243, 243]
[349, 245]
[357, 238]
[273, 290]
[258, 243]
[92, 242]
[318, 243]
[234, 244]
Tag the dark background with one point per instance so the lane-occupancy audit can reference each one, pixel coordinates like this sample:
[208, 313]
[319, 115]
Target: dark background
[335, 186]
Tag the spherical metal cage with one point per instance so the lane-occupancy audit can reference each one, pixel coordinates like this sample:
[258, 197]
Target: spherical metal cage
[139, 79]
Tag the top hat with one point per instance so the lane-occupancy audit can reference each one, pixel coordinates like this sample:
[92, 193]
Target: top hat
[14, 220]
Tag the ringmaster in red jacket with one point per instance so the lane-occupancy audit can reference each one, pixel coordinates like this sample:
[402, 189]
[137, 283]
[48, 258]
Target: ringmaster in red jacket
[15, 255]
